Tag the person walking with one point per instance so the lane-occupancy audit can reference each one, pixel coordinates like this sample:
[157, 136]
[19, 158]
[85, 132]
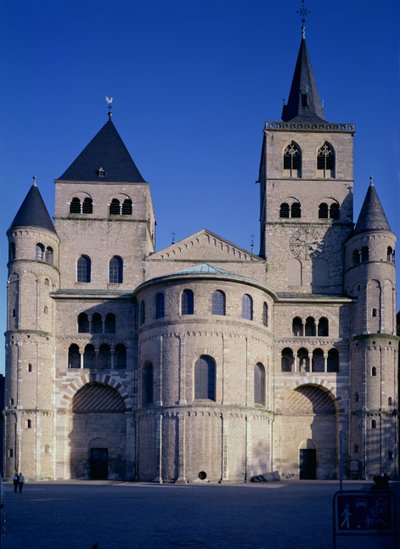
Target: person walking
[21, 480]
[15, 482]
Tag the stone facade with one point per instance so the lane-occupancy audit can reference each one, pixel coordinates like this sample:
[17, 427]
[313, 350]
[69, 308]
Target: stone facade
[204, 361]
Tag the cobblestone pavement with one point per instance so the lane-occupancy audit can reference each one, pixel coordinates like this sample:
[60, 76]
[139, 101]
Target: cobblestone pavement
[280, 515]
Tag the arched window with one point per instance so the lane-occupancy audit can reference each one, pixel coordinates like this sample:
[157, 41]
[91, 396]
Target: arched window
[323, 211]
[374, 312]
[284, 211]
[49, 255]
[390, 401]
[247, 307]
[292, 160]
[204, 378]
[304, 360]
[75, 206]
[40, 251]
[89, 357]
[364, 253]
[356, 397]
[83, 323]
[97, 324]
[295, 210]
[287, 360]
[127, 207]
[265, 314]
[160, 305]
[326, 160]
[297, 326]
[74, 357]
[310, 329]
[333, 360]
[87, 206]
[373, 371]
[11, 251]
[323, 327]
[259, 384]
[373, 424]
[187, 302]
[147, 384]
[356, 257]
[115, 207]
[218, 303]
[389, 254]
[142, 313]
[104, 360]
[109, 324]
[334, 211]
[120, 356]
[115, 270]
[318, 364]
[83, 269]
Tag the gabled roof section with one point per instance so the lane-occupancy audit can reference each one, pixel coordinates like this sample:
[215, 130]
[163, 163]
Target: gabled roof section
[304, 104]
[372, 217]
[33, 212]
[105, 159]
[206, 268]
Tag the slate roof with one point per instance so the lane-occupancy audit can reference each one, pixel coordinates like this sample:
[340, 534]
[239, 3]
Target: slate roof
[33, 212]
[107, 151]
[304, 104]
[372, 217]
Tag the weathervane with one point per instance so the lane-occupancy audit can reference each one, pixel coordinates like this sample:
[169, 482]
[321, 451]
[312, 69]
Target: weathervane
[109, 101]
[303, 12]
[34, 181]
[173, 238]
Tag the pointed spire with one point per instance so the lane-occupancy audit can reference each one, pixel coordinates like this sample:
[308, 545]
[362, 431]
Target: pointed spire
[105, 159]
[304, 104]
[372, 216]
[33, 212]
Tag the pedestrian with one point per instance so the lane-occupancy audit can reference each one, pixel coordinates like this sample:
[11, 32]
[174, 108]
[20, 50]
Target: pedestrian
[21, 480]
[15, 482]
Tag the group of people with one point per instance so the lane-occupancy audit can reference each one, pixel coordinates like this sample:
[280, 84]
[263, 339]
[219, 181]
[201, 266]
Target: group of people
[18, 481]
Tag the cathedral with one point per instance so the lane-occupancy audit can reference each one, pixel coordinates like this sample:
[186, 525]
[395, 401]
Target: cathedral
[203, 361]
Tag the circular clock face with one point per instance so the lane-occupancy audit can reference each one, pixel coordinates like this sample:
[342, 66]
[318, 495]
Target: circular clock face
[305, 243]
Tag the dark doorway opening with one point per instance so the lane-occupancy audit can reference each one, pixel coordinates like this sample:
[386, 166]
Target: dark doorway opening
[99, 463]
[308, 464]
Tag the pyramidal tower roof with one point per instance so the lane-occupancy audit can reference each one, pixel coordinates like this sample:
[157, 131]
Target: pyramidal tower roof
[33, 212]
[372, 217]
[104, 159]
[304, 104]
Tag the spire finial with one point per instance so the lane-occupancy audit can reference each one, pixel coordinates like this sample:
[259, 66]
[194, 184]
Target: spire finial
[173, 237]
[34, 181]
[109, 101]
[252, 243]
[371, 181]
[303, 12]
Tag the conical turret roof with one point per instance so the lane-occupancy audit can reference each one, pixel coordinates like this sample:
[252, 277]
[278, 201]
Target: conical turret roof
[372, 217]
[304, 104]
[33, 212]
[104, 159]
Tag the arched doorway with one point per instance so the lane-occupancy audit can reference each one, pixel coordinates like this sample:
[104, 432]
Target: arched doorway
[309, 433]
[98, 434]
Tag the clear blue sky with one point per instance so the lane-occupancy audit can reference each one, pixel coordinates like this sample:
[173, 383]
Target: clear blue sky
[193, 82]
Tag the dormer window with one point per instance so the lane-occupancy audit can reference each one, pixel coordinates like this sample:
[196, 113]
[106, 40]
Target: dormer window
[101, 172]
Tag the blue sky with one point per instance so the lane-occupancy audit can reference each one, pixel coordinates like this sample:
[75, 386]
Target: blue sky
[193, 82]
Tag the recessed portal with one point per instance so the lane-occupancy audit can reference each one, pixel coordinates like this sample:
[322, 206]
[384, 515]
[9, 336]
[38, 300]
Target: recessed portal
[308, 464]
[99, 463]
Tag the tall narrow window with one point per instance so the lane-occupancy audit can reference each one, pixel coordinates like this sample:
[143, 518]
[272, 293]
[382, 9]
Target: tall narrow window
[49, 255]
[83, 269]
[83, 323]
[326, 160]
[323, 211]
[259, 384]
[310, 329]
[104, 360]
[160, 305]
[364, 253]
[115, 270]
[265, 314]
[74, 357]
[109, 324]
[292, 160]
[333, 360]
[89, 357]
[334, 211]
[318, 364]
[115, 207]
[204, 378]
[187, 303]
[127, 207]
[218, 303]
[303, 360]
[297, 326]
[284, 211]
[75, 206]
[40, 251]
[97, 324]
[295, 210]
[247, 307]
[142, 313]
[287, 360]
[147, 384]
[389, 254]
[87, 206]
[120, 356]
[323, 327]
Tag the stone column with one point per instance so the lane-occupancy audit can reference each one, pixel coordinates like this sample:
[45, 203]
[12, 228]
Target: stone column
[181, 449]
